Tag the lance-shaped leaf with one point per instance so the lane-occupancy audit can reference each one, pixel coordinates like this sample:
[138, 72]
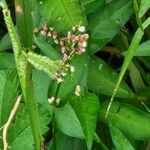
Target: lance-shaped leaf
[92, 5]
[119, 139]
[63, 14]
[86, 109]
[45, 64]
[128, 119]
[67, 122]
[106, 22]
[144, 6]
[102, 79]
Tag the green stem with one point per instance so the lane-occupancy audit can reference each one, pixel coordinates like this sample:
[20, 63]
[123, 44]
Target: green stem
[98, 140]
[24, 72]
[136, 10]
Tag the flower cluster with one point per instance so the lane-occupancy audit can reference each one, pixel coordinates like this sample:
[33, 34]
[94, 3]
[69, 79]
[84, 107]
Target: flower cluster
[75, 42]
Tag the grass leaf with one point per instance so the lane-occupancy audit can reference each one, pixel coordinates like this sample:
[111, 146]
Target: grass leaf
[144, 6]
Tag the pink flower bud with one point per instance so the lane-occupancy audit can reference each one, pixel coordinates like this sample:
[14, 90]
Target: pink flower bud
[49, 34]
[45, 27]
[65, 57]
[63, 49]
[36, 30]
[43, 32]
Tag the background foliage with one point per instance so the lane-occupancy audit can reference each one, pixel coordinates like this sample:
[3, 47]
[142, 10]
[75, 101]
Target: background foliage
[116, 64]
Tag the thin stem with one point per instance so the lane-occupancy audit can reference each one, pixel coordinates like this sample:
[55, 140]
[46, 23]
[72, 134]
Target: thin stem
[136, 10]
[98, 140]
[8, 123]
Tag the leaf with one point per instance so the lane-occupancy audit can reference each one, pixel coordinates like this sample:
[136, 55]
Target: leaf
[63, 14]
[7, 61]
[144, 6]
[24, 21]
[142, 50]
[102, 79]
[92, 5]
[41, 82]
[64, 142]
[119, 139]
[130, 53]
[105, 23]
[86, 109]
[5, 43]
[20, 135]
[67, 122]
[135, 76]
[43, 63]
[47, 49]
[128, 119]
[8, 93]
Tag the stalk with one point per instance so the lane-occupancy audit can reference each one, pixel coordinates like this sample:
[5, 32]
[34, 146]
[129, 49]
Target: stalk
[24, 72]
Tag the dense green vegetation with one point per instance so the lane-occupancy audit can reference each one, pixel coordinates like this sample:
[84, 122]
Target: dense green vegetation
[74, 74]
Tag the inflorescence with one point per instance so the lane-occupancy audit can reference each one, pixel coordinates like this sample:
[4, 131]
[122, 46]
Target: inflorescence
[74, 43]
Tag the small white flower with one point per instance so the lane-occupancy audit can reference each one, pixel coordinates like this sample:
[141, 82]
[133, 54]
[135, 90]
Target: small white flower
[57, 101]
[51, 100]
[81, 29]
[74, 28]
[43, 32]
[72, 69]
[84, 44]
[59, 80]
[49, 34]
[56, 41]
[51, 28]
[77, 90]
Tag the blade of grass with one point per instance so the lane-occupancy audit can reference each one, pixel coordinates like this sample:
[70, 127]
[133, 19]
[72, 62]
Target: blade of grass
[130, 53]
[136, 10]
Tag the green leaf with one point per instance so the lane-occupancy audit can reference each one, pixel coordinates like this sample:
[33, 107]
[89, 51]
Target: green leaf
[24, 21]
[20, 135]
[102, 79]
[128, 119]
[47, 49]
[92, 5]
[130, 53]
[8, 93]
[144, 6]
[142, 50]
[63, 14]
[136, 78]
[43, 63]
[105, 23]
[67, 122]
[7, 61]
[119, 139]
[41, 83]
[5, 43]
[64, 142]
[86, 109]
